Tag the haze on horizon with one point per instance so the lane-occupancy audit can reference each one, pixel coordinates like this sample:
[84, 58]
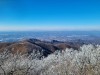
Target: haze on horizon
[26, 15]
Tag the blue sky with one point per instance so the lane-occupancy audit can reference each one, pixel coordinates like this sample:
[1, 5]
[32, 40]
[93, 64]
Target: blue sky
[49, 15]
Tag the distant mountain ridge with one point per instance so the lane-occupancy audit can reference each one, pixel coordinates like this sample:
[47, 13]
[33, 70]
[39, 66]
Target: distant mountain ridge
[28, 45]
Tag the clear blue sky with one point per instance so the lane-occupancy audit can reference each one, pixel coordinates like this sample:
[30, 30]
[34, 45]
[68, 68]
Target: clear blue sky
[49, 14]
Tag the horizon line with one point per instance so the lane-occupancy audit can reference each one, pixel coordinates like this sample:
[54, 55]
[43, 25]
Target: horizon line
[48, 30]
